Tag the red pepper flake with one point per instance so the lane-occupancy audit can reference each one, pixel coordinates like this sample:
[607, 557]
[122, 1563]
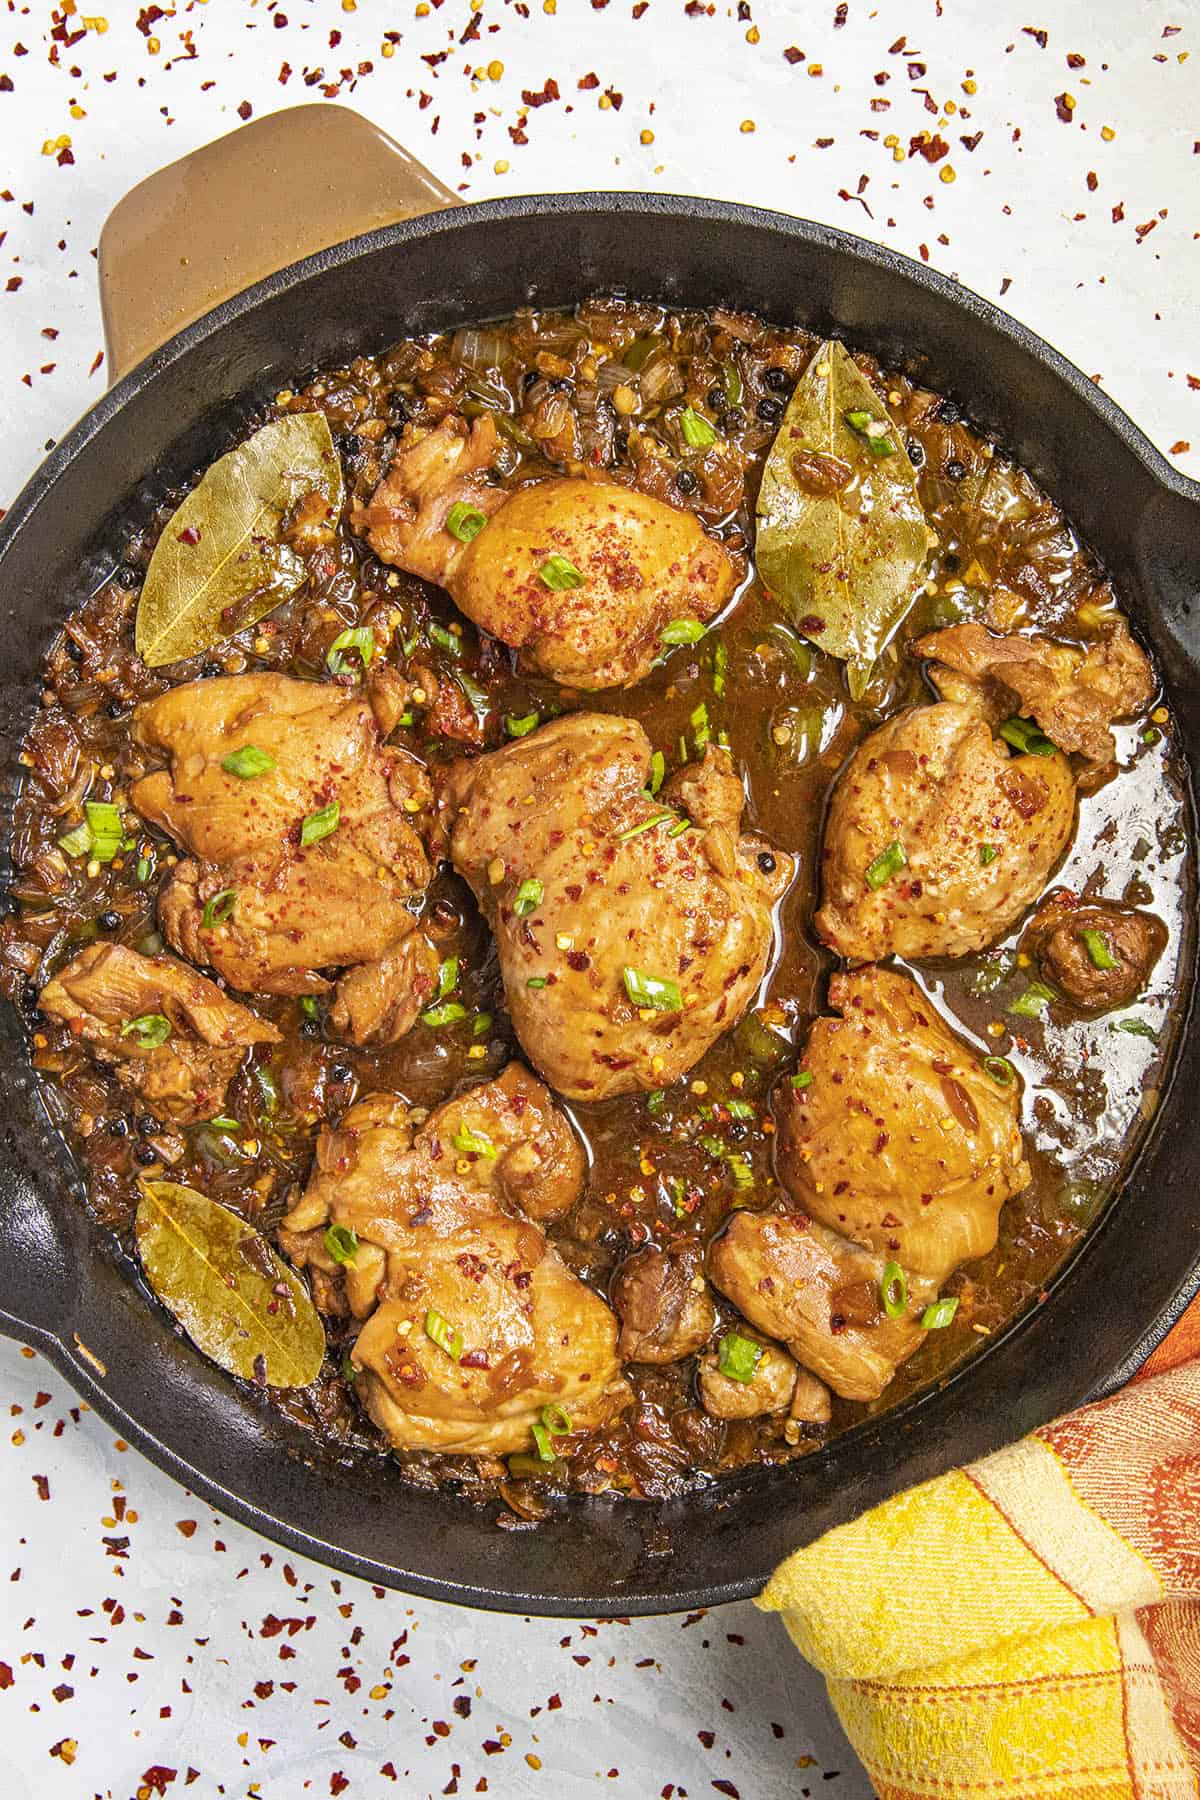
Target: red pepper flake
[707, 1738]
[65, 1750]
[1064, 106]
[1042, 38]
[726, 1787]
[641, 7]
[186, 1526]
[931, 148]
[158, 1778]
[245, 110]
[543, 96]
[1193, 382]
[1179, 448]
[793, 55]
[6, 1676]
[42, 1484]
[189, 535]
[588, 81]
[1143, 231]
[338, 1783]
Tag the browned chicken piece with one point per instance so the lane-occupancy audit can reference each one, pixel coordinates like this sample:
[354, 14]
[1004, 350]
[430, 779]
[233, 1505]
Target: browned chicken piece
[628, 941]
[377, 1002]
[1097, 953]
[769, 1389]
[663, 1302]
[168, 1033]
[579, 576]
[1072, 692]
[474, 1323]
[937, 838]
[251, 758]
[899, 1148]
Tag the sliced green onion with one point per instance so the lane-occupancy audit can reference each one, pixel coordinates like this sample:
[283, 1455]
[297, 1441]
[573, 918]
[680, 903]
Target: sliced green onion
[858, 420]
[443, 1333]
[267, 1088]
[656, 1101]
[739, 1109]
[143, 868]
[1099, 950]
[680, 826]
[449, 1013]
[633, 831]
[739, 1168]
[939, 1315]
[447, 977]
[731, 382]
[529, 897]
[987, 854]
[248, 762]
[520, 727]
[700, 725]
[541, 1437]
[1000, 1069]
[880, 444]
[1151, 735]
[658, 770]
[341, 1241]
[536, 981]
[1033, 1002]
[652, 991]
[893, 1290]
[1135, 1028]
[698, 431]
[349, 1372]
[104, 818]
[150, 1030]
[224, 1123]
[712, 1145]
[720, 664]
[219, 908]
[738, 1357]
[360, 638]
[465, 522]
[474, 1143]
[448, 640]
[556, 1419]
[481, 1024]
[558, 574]
[682, 631]
[1026, 737]
[525, 1466]
[678, 1196]
[76, 842]
[802, 1079]
[889, 862]
[308, 1006]
[320, 824]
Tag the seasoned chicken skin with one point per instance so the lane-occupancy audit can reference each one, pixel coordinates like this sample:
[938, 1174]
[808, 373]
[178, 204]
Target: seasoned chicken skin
[635, 562]
[445, 1220]
[627, 944]
[1097, 953]
[900, 1148]
[1074, 694]
[204, 1034]
[664, 1304]
[280, 910]
[971, 831]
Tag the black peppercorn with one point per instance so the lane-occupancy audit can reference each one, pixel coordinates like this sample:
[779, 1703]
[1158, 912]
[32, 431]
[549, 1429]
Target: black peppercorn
[212, 668]
[621, 440]
[128, 578]
[766, 862]
[716, 397]
[145, 1155]
[916, 452]
[73, 650]
[118, 1128]
[685, 481]
[341, 1072]
[778, 380]
[770, 409]
[147, 1123]
[109, 921]
[733, 420]
[530, 379]
[945, 412]
[955, 471]
[115, 709]
[351, 444]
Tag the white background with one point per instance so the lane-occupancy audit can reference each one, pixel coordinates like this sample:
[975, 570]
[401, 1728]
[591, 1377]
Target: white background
[161, 1640]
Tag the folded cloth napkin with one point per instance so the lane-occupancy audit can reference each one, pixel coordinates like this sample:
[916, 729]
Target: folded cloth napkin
[1026, 1627]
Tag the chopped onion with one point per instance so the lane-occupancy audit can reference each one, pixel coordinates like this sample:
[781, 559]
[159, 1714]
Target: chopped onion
[660, 379]
[613, 374]
[475, 349]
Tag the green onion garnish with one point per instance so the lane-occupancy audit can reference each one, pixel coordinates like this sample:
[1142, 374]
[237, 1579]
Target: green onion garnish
[893, 1290]
[219, 908]
[720, 664]
[1099, 950]
[1000, 1069]
[143, 868]
[556, 1419]
[76, 842]
[731, 382]
[877, 442]
[682, 631]
[858, 421]
[150, 1030]
[341, 1241]
[320, 824]
[739, 1109]
[738, 1357]
[447, 977]
[104, 823]
[1025, 736]
[656, 1101]
[443, 1333]
[889, 862]
[700, 725]
[652, 991]
[248, 762]
[1135, 1028]
[987, 854]
[448, 640]
[633, 831]
[224, 1123]
[680, 826]
[360, 638]
[541, 1437]
[520, 727]
[481, 1024]
[658, 770]
[308, 1006]
[880, 444]
[1033, 1002]
[465, 522]
[939, 1315]
[802, 1079]
[536, 981]
[698, 431]
[449, 1013]
[474, 1143]
[559, 574]
[529, 896]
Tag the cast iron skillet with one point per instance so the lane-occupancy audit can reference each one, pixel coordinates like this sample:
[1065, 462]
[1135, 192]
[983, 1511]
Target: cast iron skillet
[63, 1289]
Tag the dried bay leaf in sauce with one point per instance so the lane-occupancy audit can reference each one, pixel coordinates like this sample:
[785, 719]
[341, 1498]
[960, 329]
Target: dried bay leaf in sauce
[237, 1301]
[221, 563]
[841, 537]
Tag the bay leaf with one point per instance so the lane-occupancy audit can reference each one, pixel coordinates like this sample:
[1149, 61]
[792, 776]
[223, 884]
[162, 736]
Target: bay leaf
[221, 563]
[841, 537]
[235, 1298]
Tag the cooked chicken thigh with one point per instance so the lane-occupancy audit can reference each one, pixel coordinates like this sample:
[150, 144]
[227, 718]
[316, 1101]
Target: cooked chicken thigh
[937, 838]
[629, 940]
[473, 1321]
[167, 1032]
[301, 824]
[769, 1389]
[1074, 694]
[899, 1148]
[664, 1304]
[580, 576]
[1097, 953]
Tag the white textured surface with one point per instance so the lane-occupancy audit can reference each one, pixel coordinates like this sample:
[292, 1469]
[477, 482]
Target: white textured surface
[1050, 217]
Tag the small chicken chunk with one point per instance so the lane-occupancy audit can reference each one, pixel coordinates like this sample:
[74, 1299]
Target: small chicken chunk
[937, 838]
[579, 576]
[473, 1321]
[898, 1148]
[165, 1031]
[299, 821]
[769, 1389]
[665, 1307]
[1073, 693]
[377, 1002]
[1097, 953]
[631, 933]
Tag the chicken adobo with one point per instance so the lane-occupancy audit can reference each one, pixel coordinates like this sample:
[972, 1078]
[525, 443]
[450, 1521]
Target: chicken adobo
[653, 1041]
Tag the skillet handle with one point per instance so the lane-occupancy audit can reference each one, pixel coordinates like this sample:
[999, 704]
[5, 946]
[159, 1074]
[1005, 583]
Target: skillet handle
[222, 218]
